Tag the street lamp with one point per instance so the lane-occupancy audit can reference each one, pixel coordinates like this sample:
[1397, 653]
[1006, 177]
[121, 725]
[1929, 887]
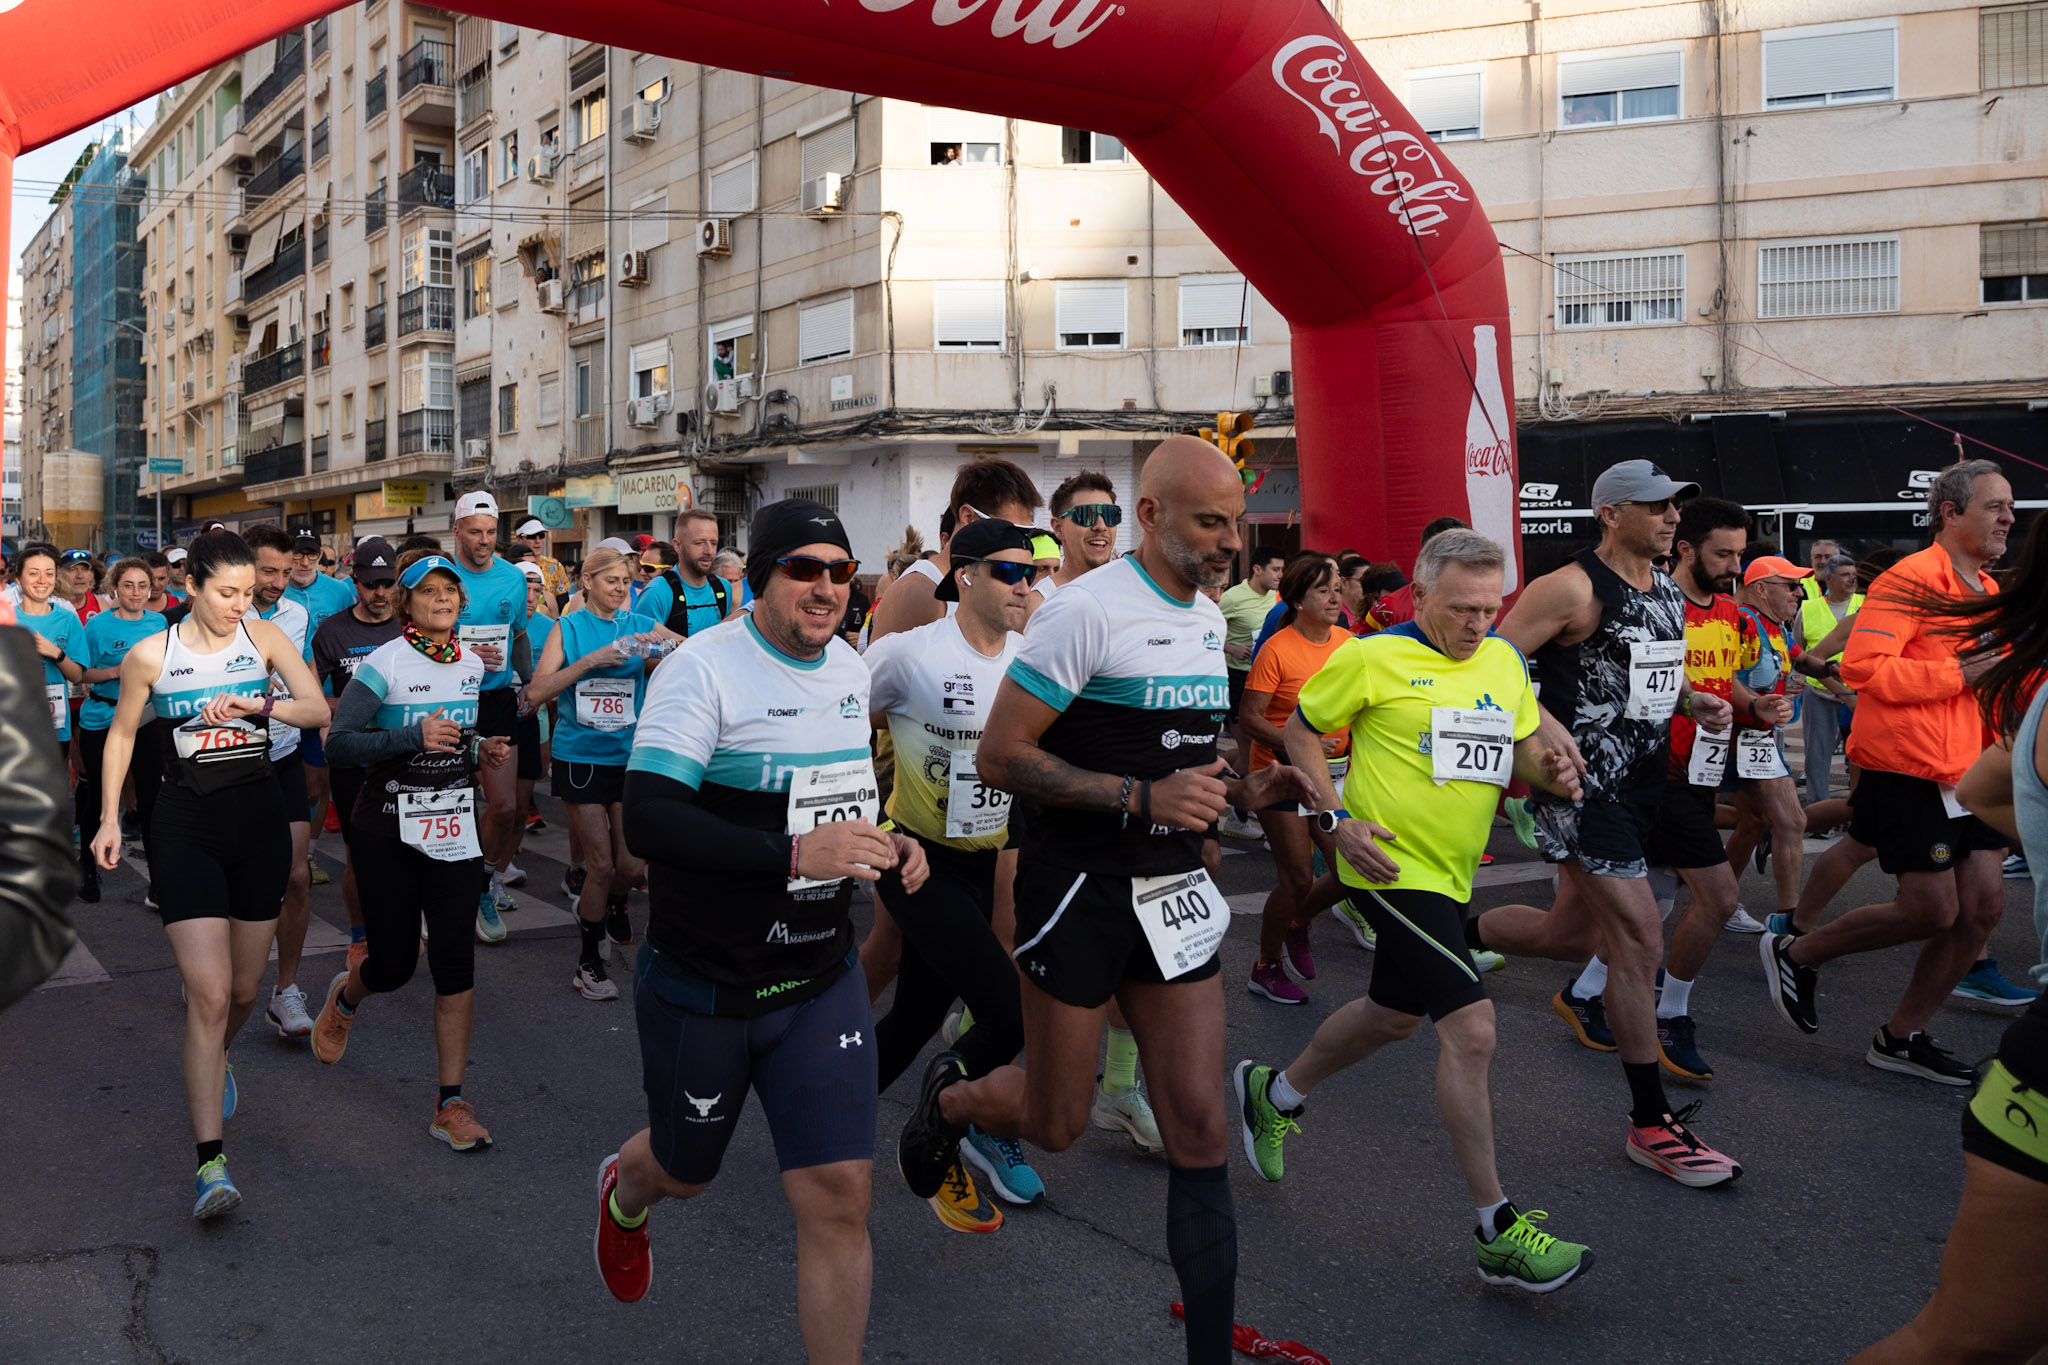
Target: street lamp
[156, 365]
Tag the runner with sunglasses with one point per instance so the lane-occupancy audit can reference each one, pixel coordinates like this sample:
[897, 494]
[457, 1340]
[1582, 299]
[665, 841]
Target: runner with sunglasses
[108, 638]
[1085, 516]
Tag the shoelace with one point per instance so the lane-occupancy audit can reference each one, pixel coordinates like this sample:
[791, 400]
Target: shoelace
[1280, 1125]
[1524, 1232]
[957, 1183]
[1675, 1125]
[1012, 1151]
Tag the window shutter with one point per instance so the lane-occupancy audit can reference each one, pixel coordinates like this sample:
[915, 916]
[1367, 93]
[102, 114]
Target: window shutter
[1208, 301]
[1594, 75]
[730, 189]
[586, 227]
[2013, 249]
[1092, 306]
[824, 330]
[1828, 278]
[968, 313]
[1828, 63]
[957, 125]
[1443, 103]
[829, 150]
[2012, 45]
[510, 276]
[649, 225]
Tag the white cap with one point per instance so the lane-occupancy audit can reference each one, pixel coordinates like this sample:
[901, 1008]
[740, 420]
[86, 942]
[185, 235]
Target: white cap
[175, 554]
[532, 570]
[477, 504]
[614, 543]
[531, 527]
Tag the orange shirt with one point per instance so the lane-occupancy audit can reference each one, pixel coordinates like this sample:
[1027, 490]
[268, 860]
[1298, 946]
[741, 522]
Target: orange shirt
[1286, 662]
[1914, 713]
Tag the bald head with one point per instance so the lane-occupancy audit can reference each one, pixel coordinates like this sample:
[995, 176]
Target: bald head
[1185, 466]
[1190, 499]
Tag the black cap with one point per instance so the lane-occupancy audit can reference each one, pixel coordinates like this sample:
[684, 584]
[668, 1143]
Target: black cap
[979, 540]
[782, 527]
[1390, 580]
[376, 559]
[307, 543]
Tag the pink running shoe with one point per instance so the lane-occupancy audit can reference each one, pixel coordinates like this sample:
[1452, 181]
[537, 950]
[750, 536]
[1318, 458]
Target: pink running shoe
[1294, 952]
[1271, 980]
[1678, 1152]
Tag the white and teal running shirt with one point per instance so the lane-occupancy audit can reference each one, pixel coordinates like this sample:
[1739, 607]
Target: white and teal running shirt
[291, 618]
[185, 682]
[410, 687]
[735, 719]
[1138, 680]
[493, 611]
[108, 639]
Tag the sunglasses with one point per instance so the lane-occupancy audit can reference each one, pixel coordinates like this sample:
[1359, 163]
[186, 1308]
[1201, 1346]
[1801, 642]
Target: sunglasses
[1091, 513]
[75, 557]
[1655, 509]
[1007, 572]
[375, 584]
[806, 569]
[652, 565]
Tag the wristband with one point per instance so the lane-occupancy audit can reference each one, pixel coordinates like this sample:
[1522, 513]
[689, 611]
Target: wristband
[269, 704]
[1123, 803]
[1685, 706]
[795, 842]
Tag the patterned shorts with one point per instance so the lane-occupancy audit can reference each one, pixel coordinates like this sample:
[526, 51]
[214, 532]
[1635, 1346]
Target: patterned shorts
[1606, 837]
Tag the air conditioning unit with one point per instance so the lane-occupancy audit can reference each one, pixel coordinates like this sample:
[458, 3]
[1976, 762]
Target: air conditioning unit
[540, 167]
[476, 450]
[725, 395]
[822, 193]
[187, 390]
[551, 296]
[633, 269]
[186, 303]
[746, 385]
[642, 117]
[234, 369]
[640, 412]
[714, 237]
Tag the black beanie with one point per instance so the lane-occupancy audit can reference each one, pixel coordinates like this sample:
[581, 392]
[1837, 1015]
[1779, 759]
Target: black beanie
[782, 527]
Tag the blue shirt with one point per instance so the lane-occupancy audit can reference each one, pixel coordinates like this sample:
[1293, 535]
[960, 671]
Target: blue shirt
[657, 599]
[539, 627]
[494, 608]
[65, 630]
[107, 641]
[582, 633]
[321, 598]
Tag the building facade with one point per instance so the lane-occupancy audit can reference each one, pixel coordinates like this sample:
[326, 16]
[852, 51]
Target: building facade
[55, 504]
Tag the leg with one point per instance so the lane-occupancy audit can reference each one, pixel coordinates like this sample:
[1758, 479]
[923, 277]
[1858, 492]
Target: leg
[881, 952]
[1819, 728]
[205, 962]
[317, 789]
[1632, 942]
[1713, 900]
[1567, 932]
[499, 828]
[1347, 1038]
[1831, 872]
[591, 825]
[1465, 1042]
[249, 943]
[296, 913]
[915, 1014]
[1946, 957]
[626, 869]
[1750, 824]
[1292, 861]
[1778, 802]
[445, 899]
[1048, 1105]
[1926, 906]
[835, 1263]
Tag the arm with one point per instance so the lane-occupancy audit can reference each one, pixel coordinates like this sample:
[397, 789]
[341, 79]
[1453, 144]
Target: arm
[1304, 749]
[1872, 663]
[352, 742]
[1251, 719]
[306, 709]
[665, 824]
[1837, 639]
[522, 654]
[138, 671]
[553, 677]
[1539, 765]
[55, 651]
[1986, 790]
[1009, 759]
[908, 604]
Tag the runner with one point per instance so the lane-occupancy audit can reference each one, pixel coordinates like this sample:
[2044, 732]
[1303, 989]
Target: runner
[749, 759]
[108, 638]
[1307, 640]
[493, 621]
[689, 597]
[60, 638]
[161, 598]
[1410, 827]
[554, 578]
[220, 834]
[534, 720]
[1085, 516]
[287, 1009]
[1245, 606]
[321, 597]
[1917, 731]
[599, 658]
[1607, 632]
[409, 715]
[1107, 721]
[1398, 605]
[932, 687]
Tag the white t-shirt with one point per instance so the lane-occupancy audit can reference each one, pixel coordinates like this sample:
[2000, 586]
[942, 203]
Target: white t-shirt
[936, 690]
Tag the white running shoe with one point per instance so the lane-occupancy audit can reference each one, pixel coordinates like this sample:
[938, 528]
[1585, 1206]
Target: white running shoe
[500, 897]
[1236, 828]
[513, 875]
[1361, 928]
[287, 1013]
[593, 982]
[489, 928]
[1129, 1112]
[949, 1032]
[1742, 922]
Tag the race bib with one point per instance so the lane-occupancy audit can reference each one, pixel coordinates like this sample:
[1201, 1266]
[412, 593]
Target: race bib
[1656, 668]
[1757, 756]
[973, 809]
[1471, 746]
[605, 703]
[201, 743]
[828, 793]
[493, 637]
[1184, 918]
[1956, 809]
[58, 697]
[441, 825]
[1709, 759]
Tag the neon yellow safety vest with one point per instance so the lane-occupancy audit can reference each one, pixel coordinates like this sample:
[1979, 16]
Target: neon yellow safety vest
[1817, 618]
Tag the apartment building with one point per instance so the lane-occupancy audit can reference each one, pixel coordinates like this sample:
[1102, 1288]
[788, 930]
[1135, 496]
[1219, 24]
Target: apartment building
[62, 492]
[10, 416]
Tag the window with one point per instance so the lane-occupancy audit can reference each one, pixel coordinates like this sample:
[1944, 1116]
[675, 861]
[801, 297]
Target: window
[1832, 278]
[1619, 87]
[968, 315]
[824, 331]
[348, 413]
[587, 117]
[1446, 103]
[589, 373]
[426, 380]
[2014, 262]
[732, 348]
[508, 409]
[348, 306]
[828, 150]
[2012, 45]
[507, 36]
[1620, 291]
[1215, 310]
[730, 190]
[428, 258]
[548, 411]
[1830, 64]
[473, 179]
[648, 226]
[959, 138]
[825, 493]
[510, 273]
[649, 364]
[508, 157]
[1091, 314]
[475, 272]
[1079, 147]
[650, 77]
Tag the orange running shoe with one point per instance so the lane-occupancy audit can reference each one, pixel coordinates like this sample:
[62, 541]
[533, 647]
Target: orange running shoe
[455, 1124]
[358, 953]
[624, 1257]
[1669, 1146]
[961, 1206]
[330, 1030]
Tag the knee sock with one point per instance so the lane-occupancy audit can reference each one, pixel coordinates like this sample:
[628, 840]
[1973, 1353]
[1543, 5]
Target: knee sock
[593, 940]
[1673, 999]
[1120, 1063]
[1592, 981]
[1201, 1237]
[1646, 1093]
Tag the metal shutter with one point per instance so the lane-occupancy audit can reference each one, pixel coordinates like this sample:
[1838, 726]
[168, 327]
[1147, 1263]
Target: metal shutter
[730, 189]
[1829, 63]
[1443, 103]
[1092, 306]
[829, 150]
[824, 330]
[1596, 75]
[649, 225]
[2012, 45]
[2013, 249]
[1208, 301]
[968, 313]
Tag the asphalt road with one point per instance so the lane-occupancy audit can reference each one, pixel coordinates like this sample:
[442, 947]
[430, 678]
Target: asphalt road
[362, 1240]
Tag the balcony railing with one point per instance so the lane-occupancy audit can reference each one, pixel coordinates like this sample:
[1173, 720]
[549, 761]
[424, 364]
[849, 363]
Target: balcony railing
[316, 455]
[375, 94]
[320, 242]
[319, 140]
[286, 266]
[319, 38]
[473, 96]
[429, 308]
[373, 440]
[274, 177]
[426, 186]
[291, 65]
[430, 430]
[373, 211]
[230, 123]
[278, 462]
[373, 325]
[322, 353]
[268, 371]
[426, 62]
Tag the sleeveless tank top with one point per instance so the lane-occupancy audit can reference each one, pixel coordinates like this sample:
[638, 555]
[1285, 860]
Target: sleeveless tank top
[2030, 807]
[207, 758]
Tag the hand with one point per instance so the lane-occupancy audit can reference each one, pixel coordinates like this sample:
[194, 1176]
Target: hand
[845, 848]
[494, 752]
[492, 656]
[1552, 734]
[227, 706]
[1358, 843]
[1331, 745]
[47, 647]
[1271, 785]
[1976, 665]
[440, 735]
[1193, 798]
[911, 862]
[606, 656]
[106, 845]
[1772, 710]
[1237, 652]
[526, 707]
[1561, 776]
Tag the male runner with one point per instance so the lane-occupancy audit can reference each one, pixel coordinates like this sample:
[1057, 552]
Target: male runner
[553, 577]
[322, 597]
[1399, 605]
[1608, 634]
[751, 796]
[688, 597]
[981, 488]
[1440, 713]
[1107, 722]
[1917, 732]
[493, 624]
[287, 1010]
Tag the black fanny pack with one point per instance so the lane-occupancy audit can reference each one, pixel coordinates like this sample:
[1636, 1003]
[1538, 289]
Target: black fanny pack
[206, 758]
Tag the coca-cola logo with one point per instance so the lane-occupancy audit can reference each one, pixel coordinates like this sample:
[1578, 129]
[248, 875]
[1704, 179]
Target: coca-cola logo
[1400, 166]
[1037, 20]
[1496, 458]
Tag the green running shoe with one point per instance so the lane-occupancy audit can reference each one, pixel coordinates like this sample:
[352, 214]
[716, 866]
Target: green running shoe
[1526, 1258]
[1352, 918]
[1265, 1127]
[1486, 960]
[1524, 822]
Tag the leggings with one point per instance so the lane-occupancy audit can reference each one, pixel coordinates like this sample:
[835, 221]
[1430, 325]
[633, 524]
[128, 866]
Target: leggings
[145, 765]
[949, 951]
[397, 884]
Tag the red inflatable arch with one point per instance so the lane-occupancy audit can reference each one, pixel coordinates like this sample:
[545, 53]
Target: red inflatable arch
[1258, 116]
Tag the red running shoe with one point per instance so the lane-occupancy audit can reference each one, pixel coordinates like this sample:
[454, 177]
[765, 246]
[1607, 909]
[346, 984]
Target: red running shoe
[624, 1258]
[332, 824]
[1674, 1149]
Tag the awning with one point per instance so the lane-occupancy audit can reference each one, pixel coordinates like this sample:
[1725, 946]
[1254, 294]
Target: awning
[476, 369]
[586, 227]
[262, 246]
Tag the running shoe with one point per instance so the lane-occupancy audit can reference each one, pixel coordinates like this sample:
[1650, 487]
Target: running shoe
[1761, 859]
[950, 1031]
[149, 902]
[1129, 1112]
[625, 1259]
[1792, 986]
[961, 1206]
[1271, 980]
[1588, 1018]
[534, 823]
[927, 1151]
[617, 923]
[2016, 867]
[1237, 826]
[572, 881]
[593, 982]
[455, 1124]
[500, 897]
[1742, 922]
[1523, 820]
[230, 1095]
[1294, 951]
[1487, 960]
[358, 953]
[217, 1193]
[1002, 1161]
[489, 928]
[1263, 1124]
[332, 824]
[1354, 919]
[1523, 1256]
[330, 1030]
[513, 875]
[1987, 984]
[1917, 1055]
[317, 873]
[1678, 1051]
[1669, 1146]
[287, 1013]
[89, 884]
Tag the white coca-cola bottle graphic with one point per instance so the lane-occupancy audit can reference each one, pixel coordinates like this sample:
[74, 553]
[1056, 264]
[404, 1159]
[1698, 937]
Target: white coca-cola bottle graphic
[1490, 455]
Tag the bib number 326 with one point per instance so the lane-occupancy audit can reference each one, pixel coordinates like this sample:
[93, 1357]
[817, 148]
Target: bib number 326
[441, 825]
[828, 793]
[1184, 918]
[1656, 668]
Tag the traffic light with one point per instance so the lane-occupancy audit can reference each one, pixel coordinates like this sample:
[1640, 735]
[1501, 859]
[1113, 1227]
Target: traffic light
[1229, 436]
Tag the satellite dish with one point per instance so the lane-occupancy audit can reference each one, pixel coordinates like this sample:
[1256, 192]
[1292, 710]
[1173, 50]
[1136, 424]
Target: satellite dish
[553, 513]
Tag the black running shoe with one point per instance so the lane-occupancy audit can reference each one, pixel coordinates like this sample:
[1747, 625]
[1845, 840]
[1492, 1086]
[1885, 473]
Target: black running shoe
[1918, 1055]
[1761, 859]
[89, 885]
[1588, 1018]
[1677, 1051]
[930, 1145]
[1792, 986]
[617, 922]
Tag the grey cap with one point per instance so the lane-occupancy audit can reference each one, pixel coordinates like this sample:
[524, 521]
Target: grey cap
[1638, 481]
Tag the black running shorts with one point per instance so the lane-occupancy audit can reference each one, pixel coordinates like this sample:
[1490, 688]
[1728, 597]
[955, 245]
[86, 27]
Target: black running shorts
[497, 713]
[224, 856]
[1684, 835]
[1903, 818]
[1078, 938]
[291, 782]
[1422, 965]
[527, 741]
[812, 1065]
[588, 784]
[2007, 1121]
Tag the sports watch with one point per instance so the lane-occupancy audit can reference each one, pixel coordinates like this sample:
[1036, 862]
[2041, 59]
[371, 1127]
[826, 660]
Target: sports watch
[1327, 820]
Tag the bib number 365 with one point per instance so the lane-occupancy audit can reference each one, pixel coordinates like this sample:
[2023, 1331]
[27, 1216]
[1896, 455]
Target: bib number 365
[1184, 918]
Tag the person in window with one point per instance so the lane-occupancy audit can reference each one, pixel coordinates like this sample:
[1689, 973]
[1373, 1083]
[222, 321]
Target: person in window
[949, 155]
[722, 360]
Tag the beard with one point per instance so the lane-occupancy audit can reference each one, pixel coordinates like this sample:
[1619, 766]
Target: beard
[1724, 585]
[1188, 562]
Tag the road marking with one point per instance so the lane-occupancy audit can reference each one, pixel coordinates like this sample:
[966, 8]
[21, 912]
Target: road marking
[79, 968]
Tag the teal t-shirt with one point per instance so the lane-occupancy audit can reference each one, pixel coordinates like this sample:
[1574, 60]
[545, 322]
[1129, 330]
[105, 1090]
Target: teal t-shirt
[321, 598]
[494, 612]
[594, 702]
[68, 633]
[108, 639]
[658, 598]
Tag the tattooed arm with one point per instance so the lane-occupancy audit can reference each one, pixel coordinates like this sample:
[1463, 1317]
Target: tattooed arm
[1009, 759]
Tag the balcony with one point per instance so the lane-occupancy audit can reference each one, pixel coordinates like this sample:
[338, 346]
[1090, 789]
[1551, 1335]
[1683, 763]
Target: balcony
[316, 455]
[473, 97]
[319, 141]
[322, 351]
[373, 211]
[375, 93]
[290, 66]
[430, 430]
[426, 186]
[320, 242]
[274, 464]
[429, 308]
[426, 83]
[373, 325]
[319, 39]
[274, 177]
[288, 265]
[279, 367]
[373, 440]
